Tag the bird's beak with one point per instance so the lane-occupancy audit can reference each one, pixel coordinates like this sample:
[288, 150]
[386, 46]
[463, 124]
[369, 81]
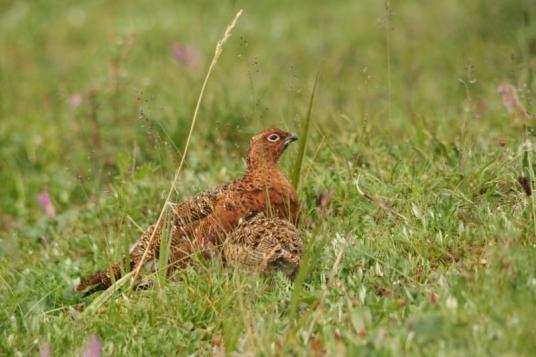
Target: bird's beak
[290, 139]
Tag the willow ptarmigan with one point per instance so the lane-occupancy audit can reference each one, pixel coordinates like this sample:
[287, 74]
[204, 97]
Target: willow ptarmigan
[202, 222]
[264, 244]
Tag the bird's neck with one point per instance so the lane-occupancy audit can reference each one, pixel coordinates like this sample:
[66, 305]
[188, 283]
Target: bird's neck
[259, 166]
[266, 171]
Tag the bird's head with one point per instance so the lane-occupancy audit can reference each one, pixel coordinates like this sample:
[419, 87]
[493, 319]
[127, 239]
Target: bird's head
[267, 147]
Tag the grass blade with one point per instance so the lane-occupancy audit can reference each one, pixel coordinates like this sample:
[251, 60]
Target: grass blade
[106, 295]
[163, 256]
[527, 169]
[303, 138]
[312, 254]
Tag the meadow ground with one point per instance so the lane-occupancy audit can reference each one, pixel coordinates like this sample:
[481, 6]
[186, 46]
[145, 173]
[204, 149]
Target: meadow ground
[423, 241]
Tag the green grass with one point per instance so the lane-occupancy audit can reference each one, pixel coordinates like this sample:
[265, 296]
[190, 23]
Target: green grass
[426, 247]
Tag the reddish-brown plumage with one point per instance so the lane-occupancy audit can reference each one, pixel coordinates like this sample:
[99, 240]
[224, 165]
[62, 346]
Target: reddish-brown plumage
[201, 222]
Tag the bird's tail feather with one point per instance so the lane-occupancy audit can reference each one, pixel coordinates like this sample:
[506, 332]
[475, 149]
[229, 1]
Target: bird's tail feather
[101, 280]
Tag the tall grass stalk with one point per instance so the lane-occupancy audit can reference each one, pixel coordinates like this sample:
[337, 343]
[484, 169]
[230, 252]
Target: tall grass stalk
[134, 274]
[532, 177]
[388, 16]
[312, 254]
[163, 256]
[304, 134]
[217, 52]
[527, 166]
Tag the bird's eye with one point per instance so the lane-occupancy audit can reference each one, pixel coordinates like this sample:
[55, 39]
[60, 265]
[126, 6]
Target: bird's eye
[273, 138]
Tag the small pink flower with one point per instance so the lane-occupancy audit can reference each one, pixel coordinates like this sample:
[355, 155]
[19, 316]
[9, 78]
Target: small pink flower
[46, 204]
[187, 55]
[93, 348]
[45, 350]
[511, 101]
[75, 101]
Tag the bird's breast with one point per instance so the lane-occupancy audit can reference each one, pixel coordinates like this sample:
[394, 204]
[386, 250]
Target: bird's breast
[270, 192]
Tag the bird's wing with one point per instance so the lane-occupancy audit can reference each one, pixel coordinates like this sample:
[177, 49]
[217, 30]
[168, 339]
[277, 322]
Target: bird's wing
[196, 207]
[186, 217]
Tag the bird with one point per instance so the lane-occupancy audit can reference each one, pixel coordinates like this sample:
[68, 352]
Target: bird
[201, 223]
[264, 244]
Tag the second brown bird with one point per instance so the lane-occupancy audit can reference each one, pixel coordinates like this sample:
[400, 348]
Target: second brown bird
[265, 244]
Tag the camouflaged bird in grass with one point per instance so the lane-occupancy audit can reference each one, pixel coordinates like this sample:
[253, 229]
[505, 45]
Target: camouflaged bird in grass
[265, 244]
[202, 222]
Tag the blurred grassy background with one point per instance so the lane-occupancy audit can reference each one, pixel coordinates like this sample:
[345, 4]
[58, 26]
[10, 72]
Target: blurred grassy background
[96, 98]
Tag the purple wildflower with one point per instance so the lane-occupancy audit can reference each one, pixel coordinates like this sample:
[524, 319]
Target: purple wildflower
[46, 204]
[187, 55]
[93, 348]
[45, 350]
[511, 101]
[75, 101]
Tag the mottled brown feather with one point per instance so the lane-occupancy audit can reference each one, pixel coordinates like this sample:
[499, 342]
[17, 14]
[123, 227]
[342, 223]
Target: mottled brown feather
[264, 244]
